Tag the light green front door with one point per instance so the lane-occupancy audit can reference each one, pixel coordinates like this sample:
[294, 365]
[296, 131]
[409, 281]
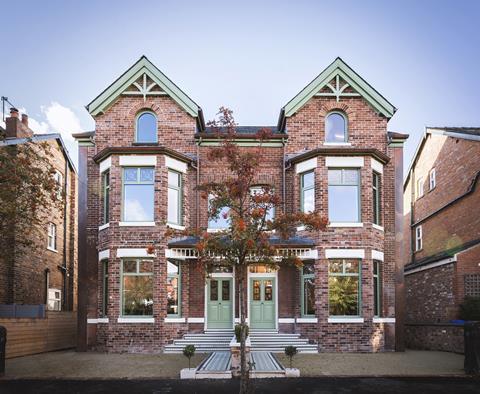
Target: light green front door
[262, 303]
[219, 303]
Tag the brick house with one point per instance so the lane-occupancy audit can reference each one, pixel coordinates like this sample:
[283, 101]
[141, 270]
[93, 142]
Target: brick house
[329, 151]
[441, 230]
[46, 274]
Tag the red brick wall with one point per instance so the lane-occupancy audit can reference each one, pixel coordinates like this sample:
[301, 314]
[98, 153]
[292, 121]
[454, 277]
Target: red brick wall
[306, 130]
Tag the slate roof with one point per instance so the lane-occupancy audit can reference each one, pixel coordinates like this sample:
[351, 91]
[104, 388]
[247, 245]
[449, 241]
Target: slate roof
[460, 130]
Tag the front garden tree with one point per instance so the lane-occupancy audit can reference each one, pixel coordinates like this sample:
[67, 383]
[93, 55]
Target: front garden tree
[246, 239]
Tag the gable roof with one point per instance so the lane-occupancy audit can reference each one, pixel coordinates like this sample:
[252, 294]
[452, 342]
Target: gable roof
[136, 71]
[42, 137]
[337, 69]
[465, 133]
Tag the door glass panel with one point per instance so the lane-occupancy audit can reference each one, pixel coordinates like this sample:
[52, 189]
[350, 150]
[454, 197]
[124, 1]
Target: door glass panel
[225, 290]
[268, 296]
[256, 290]
[213, 290]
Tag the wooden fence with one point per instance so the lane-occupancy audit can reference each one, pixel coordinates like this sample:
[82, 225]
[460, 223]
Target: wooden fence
[30, 336]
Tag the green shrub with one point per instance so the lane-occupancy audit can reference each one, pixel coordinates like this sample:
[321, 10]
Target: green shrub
[290, 352]
[470, 309]
[189, 352]
[238, 330]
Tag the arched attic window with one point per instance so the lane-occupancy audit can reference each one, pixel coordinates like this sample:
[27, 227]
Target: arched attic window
[336, 127]
[146, 127]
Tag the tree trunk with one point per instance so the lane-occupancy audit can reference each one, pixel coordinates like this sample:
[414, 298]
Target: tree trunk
[244, 366]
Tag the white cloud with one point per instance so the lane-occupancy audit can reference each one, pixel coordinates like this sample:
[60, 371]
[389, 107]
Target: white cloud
[62, 119]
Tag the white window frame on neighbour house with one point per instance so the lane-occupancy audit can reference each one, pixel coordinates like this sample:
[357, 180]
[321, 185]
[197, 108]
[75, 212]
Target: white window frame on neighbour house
[104, 306]
[54, 302]
[52, 237]
[178, 188]
[58, 177]
[420, 187]
[212, 223]
[304, 189]
[418, 238]
[432, 179]
[139, 183]
[271, 210]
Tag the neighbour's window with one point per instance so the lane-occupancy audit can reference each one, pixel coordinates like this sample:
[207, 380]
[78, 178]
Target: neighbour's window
[58, 177]
[307, 192]
[52, 236]
[336, 128]
[344, 195]
[54, 302]
[376, 198]
[173, 288]
[138, 194]
[270, 209]
[420, 184]
[432, 179]
[146, 130]
[137, 287]
[344, 287]
[175, 197]
[418, 238]
[308, 289]
[106, 196]
[377, 289]
[222, 221]
[104, 310]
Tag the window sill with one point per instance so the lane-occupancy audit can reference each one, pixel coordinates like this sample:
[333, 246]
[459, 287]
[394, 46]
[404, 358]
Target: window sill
[345, 224]
[97, 321]
[145, 143]
[174, 320]
[176, 226]
[286, 320]
[136, 224]
[346, 320]
[376, 226]
[136, 320]
[383, 320]
[307, 320]
[103, 226]
[337, 144]
[196, 320]
[52, 250]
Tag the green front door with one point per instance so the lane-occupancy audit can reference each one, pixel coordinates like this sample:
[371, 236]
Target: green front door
[262, 303]
[219, 303]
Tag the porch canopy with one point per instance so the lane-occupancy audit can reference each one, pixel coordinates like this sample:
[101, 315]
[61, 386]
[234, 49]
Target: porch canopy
[301, 247]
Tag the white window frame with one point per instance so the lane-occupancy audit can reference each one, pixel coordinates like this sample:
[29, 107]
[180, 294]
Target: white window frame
[125, 222]
[179, 188]
[52, 237]
[418, 238]
[54, 303]
[420, 187]
[345, 131]
[432, 178]
[137, 118]
[58, 176]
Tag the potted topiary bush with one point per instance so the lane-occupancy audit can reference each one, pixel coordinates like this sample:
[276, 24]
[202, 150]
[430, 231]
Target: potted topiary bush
[290, 352]
[238, 329]
[189, 352]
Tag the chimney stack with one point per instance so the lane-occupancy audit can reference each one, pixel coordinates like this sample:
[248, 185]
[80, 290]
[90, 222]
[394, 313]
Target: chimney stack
[25, 120]
[16, 128]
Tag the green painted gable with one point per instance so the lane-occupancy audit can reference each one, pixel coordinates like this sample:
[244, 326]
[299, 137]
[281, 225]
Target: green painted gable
[353, 85]
[143, 79]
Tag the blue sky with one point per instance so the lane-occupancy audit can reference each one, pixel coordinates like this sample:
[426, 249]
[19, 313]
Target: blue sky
[251, 56]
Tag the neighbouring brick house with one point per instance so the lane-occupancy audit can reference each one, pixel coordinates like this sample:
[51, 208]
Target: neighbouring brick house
[442, 232]
[330, 151]
[46, 273]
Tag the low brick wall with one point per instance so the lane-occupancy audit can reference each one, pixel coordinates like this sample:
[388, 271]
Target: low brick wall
[446, 337]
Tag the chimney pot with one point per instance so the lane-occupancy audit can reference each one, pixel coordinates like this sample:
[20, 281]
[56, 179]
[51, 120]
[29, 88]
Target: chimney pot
[14, 112]
[25, 119]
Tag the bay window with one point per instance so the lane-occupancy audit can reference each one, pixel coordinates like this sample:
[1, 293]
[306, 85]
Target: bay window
[138, 194]
[308, 289]
[307, 192]
[175, 198]
[173, 288]
[344, 287]
[137, 287]
[344, 195]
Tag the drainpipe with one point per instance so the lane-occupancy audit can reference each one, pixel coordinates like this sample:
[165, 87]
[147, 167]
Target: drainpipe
[197, 196]
[64, 267]
[412, 213]
[47, 285]
[285, 168]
